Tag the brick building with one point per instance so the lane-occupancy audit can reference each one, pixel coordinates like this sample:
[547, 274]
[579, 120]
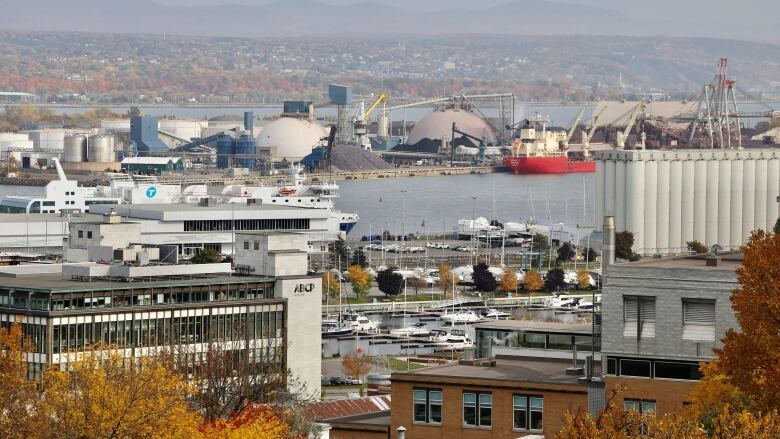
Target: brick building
[505, 397]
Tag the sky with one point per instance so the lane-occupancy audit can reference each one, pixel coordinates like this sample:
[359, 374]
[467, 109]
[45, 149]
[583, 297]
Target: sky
[724, 12]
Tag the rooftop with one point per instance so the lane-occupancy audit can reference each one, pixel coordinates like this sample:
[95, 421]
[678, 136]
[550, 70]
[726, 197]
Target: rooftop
[523, 369]
[351, 408]
[185, 211]
[729, 261]
[58, 283]
[536, 326]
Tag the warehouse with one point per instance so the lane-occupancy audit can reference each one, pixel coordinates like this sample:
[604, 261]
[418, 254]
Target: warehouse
[669, 198]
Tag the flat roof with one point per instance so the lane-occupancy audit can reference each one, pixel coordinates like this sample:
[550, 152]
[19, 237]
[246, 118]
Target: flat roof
[525, 369]
[8, 218]
[728, 261]
[185, 211]
[536, 326]
[58, 283]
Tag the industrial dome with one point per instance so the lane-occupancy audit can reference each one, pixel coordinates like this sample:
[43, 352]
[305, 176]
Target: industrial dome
[290, 137]
[438, 124]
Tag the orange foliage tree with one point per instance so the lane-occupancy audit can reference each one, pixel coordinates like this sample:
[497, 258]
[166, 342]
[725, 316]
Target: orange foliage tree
[446, 279]
[360, 280]
[508, 280]
[356, 364]
[533, 281]
[255, 421]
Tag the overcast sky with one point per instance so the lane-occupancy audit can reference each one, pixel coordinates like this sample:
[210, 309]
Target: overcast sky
[742, 13]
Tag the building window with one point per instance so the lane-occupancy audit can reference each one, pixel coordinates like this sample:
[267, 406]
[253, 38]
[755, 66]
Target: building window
[698, 320]
[635, 368]
[638, 316]
[477, 409]
[89, 235]
[642, 406]
[246, 245]
[81, 233]
[48, 203]
[427, 406]
[677, 370]
[525, 419]
[257, 245]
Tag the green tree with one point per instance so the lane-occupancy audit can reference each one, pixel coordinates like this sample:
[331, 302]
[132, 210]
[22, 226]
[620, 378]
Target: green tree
[207, 256]
[539, 243]
[359, 258]
[484, 280]
[340, 254]
[697, 247]
[390, 282]
[566, 252]
[776, 228]
[624, 243]
[554, 280]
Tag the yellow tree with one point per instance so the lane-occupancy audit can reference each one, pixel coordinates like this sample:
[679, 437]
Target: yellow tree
[256, 422]
[508, 280]
[533, 281]
[360, 280]
[357, 364]
[446, 279]
[750, 357]
[104, 395]
[330, 285]
[19, 398]
[583, 279]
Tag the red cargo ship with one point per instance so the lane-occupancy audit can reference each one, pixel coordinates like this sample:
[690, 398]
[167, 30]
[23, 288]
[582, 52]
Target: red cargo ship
[538, 150]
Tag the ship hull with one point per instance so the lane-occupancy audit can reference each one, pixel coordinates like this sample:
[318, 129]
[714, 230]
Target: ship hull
[548, 165]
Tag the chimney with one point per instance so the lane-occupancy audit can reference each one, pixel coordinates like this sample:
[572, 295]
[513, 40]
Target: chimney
[575, 369]
[249, 122]
[401, 432]
[608, 242]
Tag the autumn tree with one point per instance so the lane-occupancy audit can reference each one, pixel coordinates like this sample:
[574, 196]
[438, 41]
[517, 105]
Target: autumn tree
[360, 280]
[583, 279]
[533, 281]
[255, 421]
[750, 354]
[19, 399]
[356, 364]
[446, 279]
[508, 280]
[330, 285]
[207, 256]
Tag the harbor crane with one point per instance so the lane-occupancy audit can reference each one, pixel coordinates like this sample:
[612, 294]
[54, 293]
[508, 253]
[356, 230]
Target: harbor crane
[574, 126]
[360, 121]
[482, 142]
[623, 136]
[594, 124]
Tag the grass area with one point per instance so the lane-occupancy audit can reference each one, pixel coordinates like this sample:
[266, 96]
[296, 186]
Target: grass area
[398, 365]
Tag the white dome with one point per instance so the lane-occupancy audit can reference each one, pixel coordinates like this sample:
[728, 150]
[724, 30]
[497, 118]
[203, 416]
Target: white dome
[290, 137]
[438, 124]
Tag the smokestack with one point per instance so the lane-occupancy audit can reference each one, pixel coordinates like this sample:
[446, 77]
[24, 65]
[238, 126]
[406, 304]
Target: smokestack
[249, 122]
[608, 241]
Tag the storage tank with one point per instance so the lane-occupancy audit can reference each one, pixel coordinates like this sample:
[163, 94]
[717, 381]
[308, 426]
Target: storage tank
[101, 149]
[225, 151]
[245, 146]
[75, 149]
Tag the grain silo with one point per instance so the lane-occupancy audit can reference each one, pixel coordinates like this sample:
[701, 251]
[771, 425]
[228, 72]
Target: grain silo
[100, 148]
[75, 149]
[669, 198]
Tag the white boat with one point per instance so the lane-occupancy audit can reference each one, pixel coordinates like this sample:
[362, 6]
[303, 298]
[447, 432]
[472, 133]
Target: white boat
[419, 329]
[359, 322]
[453, 339]
[560, 301]
[495, 314]
[333, 330]
[460, 316]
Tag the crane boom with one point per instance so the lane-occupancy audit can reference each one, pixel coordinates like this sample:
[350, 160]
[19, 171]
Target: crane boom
[622, 136]
[383, 97]
[574, 124]
[593, 126]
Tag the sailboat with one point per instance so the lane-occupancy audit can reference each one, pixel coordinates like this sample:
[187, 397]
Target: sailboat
[419, 329]
[332, 328]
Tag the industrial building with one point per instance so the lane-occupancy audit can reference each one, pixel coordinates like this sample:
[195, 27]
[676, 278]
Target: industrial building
[152, 165]
[668, 198]
[14, 97]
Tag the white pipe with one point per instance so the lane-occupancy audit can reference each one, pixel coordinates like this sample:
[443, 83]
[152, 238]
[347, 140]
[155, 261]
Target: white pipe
[772, 192]
[761, 194]
[609, 189]
[601, 176]
[662, 221]
[700, 201]
[687, 221]
[675, 207]
[620, 195]
[748, 198]
[737, 180]
[724, 203]
[711, 221]
[635, 197]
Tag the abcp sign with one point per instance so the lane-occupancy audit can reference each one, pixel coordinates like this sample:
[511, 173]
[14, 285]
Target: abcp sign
[303, 288]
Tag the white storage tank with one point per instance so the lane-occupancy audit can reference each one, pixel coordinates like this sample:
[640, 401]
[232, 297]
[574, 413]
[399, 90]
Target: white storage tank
[100, 148]
[75, 149]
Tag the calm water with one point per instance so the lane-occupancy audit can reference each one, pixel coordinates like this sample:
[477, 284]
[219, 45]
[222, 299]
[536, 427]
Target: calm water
[434, 204]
